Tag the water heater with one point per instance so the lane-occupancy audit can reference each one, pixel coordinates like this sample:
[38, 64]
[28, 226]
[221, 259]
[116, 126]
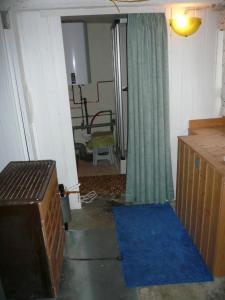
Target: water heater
[76, 53]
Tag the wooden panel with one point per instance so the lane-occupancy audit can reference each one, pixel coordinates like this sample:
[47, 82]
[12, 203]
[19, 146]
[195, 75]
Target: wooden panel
[215, 208]
[23, 262]
[193, 220]
[211, 148]
[57, 243]
[180, 166]
[49, 194]
[53, 231]
[204, 123]
[57, 259]
[219, 256]
[189, 195]
[207, 126]
[206, 213]
[208, 131]
[200, 203]
[184, 184]
[201, 193]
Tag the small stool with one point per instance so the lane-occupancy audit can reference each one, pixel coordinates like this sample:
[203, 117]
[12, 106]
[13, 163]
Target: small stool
[103, 153]
[102, 145]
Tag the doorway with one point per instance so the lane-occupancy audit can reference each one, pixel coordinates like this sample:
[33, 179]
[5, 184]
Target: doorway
[97, 83]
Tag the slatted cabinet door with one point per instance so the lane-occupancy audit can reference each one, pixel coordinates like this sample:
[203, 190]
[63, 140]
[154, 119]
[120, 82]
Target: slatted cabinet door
[207, 210]
[200, 203]
[219, 253]
[187, 185]
[179, 186]
[53, 231]
[196, 177]
[189, 191]
[212, 257]
[184, 184]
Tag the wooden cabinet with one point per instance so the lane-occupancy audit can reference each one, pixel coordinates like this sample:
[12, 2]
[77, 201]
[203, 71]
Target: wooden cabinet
[31, 230]
[200, 195]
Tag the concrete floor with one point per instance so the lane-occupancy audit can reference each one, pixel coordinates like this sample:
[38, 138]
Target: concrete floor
[99, 215]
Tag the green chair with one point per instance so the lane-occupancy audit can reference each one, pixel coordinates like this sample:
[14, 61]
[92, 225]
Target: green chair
[102, 142]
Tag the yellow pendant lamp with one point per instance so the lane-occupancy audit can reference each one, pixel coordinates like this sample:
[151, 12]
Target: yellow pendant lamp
[184, 25]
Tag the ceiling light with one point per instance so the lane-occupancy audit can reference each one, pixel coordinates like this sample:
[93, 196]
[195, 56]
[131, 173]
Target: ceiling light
[184, 25]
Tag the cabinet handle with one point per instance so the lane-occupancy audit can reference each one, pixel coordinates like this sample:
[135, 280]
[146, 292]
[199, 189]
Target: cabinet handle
[197, 163]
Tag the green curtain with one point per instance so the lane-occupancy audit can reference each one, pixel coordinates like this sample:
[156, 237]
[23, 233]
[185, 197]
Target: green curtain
[149, 172]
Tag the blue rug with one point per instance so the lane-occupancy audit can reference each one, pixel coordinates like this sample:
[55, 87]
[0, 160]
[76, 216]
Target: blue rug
[155, 247]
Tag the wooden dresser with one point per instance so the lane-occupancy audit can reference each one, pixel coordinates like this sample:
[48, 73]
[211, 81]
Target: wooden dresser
[200, 195]
[31, 230]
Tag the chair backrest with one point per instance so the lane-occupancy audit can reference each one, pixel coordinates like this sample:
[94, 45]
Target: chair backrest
[100, 113]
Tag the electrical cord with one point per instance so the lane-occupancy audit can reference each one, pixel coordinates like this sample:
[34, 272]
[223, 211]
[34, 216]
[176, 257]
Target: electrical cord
[73, 186]
[88, 198]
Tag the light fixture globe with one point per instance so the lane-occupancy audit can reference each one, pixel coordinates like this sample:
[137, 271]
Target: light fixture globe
[184, 25]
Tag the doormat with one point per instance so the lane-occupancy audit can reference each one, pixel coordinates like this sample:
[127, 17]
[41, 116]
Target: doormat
[103, 185]
[155, 247]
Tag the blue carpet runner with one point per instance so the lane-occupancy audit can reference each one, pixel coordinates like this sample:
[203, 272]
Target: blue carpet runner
[155, 247]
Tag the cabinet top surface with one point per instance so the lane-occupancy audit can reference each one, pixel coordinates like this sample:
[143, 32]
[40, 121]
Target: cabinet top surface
[25, 182]
[210, 147]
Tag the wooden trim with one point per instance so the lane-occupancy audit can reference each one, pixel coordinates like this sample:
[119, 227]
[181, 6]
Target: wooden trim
[180, 162]
[206, 123]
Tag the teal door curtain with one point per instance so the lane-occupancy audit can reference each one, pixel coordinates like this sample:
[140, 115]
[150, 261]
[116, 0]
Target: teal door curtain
[149, 172]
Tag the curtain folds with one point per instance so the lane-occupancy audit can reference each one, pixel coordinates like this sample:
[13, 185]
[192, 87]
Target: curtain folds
[149, 172]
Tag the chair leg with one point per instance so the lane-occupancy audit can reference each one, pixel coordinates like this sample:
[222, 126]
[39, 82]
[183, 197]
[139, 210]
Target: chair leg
[95, 153]
[111, 155]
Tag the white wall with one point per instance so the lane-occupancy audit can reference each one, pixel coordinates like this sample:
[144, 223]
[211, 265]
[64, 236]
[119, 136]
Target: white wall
[13, 145]
[45, 77]
[193, 78]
